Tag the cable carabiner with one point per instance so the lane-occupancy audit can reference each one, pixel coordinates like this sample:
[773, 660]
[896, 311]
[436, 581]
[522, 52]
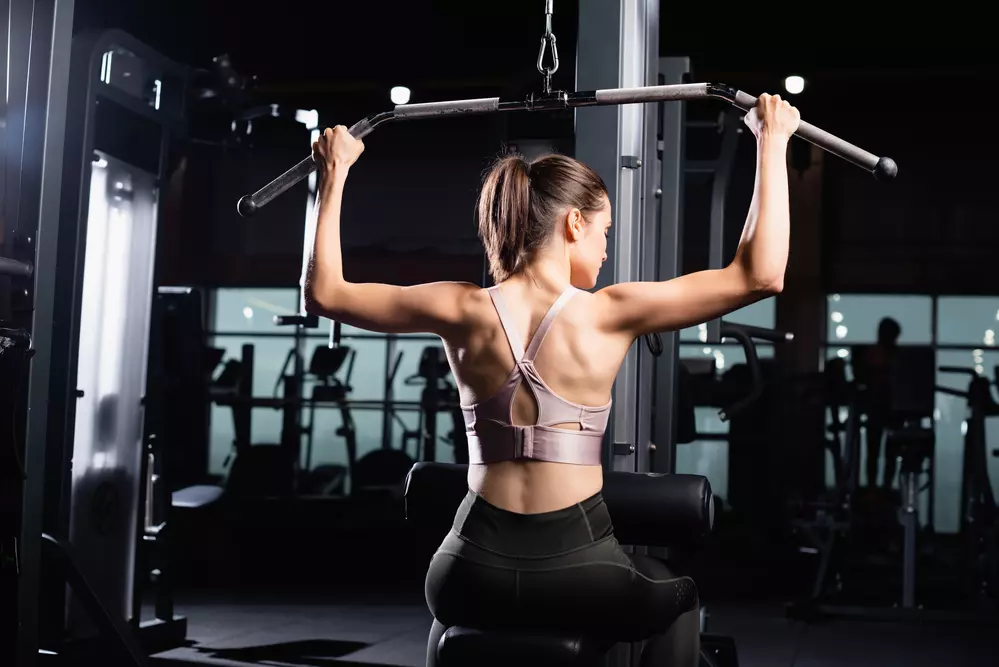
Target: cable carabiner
[548, 38]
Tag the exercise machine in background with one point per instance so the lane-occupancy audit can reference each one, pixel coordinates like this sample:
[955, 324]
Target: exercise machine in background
[439, 394]
[978, 529]
[875, 561]
[285, 468]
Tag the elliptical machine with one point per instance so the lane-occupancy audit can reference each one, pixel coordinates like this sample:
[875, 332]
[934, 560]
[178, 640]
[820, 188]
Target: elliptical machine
[326, 362]
[438, 394]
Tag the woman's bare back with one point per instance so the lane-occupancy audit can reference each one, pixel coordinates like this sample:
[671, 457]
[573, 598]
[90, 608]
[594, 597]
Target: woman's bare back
[577, 361]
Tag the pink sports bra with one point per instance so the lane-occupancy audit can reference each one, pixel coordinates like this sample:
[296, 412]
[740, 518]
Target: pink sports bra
[540, 441]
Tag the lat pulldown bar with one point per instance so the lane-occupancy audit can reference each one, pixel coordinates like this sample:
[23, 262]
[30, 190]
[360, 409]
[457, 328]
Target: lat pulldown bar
[883, 168]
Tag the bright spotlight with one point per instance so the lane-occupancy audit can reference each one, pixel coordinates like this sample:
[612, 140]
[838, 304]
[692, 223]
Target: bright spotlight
[399, 95]
[308, 117]
[794, 84]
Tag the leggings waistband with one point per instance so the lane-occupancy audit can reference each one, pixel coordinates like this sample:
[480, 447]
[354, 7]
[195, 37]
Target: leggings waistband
[532, 535]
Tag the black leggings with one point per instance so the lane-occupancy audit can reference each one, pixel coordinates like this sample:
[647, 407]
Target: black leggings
[560, 572]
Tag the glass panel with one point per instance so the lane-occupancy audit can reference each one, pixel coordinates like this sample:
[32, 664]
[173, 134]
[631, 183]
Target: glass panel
[330, 448]
[253, 310]
[367, 379]
[369, 431]
[222, 436]
[854, 318]
[706, 457]
[950, 416]
[445, 427]
[760, 314]
[967, 320]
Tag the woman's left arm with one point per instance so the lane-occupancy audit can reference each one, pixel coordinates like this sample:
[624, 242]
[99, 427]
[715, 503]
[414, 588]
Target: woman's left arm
[436, 308]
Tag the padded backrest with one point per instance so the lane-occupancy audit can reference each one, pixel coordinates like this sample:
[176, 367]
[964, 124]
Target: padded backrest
[647, 509]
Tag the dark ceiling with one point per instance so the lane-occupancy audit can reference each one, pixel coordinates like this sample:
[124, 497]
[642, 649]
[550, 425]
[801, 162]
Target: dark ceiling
[882, 80]
[320, 48]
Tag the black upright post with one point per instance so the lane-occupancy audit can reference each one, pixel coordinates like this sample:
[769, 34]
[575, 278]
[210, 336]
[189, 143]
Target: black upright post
[243, 412]
[40, 34]
[672, 131]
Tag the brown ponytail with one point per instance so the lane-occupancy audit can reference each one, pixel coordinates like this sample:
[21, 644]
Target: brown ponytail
[504, 212]
[520, 202]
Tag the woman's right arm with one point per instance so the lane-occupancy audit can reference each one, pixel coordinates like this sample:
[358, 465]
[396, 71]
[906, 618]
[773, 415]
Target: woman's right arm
[756, 272]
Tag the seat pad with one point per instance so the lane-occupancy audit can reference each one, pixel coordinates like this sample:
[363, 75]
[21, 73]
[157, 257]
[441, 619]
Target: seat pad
[461, 646]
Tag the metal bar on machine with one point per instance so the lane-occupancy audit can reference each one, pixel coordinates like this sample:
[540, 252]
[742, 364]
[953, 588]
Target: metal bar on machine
[719, 192]
[12, 267]
[671, 197]
[596, 142]
[883, 168]
[648, 228]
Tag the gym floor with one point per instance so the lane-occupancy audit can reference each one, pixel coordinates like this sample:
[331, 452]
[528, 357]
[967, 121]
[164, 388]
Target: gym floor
[390, 629]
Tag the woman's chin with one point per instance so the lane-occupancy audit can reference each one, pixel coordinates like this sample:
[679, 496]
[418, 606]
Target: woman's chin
[584, 282]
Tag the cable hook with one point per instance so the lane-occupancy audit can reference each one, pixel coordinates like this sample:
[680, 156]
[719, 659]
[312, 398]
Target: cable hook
[546, 39]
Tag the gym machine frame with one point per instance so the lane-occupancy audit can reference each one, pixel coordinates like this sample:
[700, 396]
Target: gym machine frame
[77, 146]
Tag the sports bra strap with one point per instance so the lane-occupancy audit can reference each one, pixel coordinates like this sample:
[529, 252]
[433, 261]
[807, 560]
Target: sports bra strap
[499, 302]
[504, 317]
[546, 323]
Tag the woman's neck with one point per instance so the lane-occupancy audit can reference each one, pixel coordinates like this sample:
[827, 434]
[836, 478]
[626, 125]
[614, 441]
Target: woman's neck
[547, 273]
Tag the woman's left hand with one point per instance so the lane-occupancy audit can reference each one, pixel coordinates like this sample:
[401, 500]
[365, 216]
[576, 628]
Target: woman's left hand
[336, 149]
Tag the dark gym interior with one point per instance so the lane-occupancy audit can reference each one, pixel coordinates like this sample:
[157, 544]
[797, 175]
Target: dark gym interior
[195, 471]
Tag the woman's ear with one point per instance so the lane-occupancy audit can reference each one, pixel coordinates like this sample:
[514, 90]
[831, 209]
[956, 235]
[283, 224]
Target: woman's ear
[574, 224]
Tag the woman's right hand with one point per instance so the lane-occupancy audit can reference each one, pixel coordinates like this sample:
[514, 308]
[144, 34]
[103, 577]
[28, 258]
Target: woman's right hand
[773, 117]
[336, 148]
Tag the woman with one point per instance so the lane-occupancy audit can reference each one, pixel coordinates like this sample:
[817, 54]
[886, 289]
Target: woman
[535, 359]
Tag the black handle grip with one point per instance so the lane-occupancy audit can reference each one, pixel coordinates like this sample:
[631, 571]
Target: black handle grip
[12, 267]
[250, 204]
[883, 168]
